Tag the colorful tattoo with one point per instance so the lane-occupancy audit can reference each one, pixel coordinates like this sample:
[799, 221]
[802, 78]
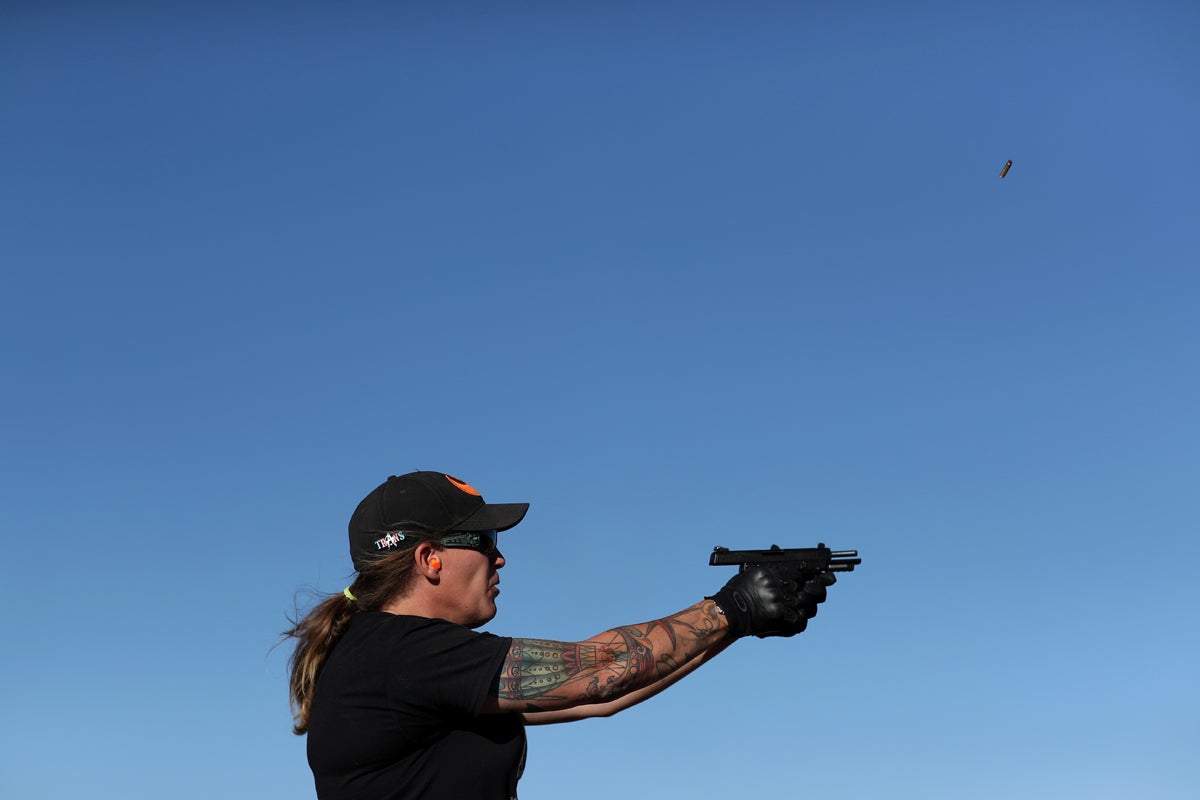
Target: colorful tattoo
[605, 666]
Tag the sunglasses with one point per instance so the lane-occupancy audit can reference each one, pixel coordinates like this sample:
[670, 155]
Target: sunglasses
[485, 542]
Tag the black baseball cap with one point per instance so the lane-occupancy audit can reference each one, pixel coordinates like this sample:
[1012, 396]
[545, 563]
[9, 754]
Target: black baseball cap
[424, 503]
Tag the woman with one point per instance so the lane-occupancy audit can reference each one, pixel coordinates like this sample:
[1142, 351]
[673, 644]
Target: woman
[400, 698]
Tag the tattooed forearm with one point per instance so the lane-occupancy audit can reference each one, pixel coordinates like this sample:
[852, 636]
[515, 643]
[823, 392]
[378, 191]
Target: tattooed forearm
[549, 674]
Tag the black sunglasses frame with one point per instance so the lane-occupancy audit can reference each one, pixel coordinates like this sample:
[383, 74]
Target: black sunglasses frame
[486, 542]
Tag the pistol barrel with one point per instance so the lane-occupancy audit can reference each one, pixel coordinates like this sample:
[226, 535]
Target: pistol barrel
[820, 558]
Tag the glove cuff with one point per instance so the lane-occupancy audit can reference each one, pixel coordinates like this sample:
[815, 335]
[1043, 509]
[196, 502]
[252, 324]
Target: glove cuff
[735, 607]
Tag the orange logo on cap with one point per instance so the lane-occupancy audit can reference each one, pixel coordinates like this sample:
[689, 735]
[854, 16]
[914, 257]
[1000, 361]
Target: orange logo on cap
[463, 486]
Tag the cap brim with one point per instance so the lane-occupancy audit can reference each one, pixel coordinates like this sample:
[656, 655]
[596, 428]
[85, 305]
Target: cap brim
[494, 517]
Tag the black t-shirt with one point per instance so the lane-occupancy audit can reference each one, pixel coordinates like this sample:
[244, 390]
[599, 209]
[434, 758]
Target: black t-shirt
[396, 714]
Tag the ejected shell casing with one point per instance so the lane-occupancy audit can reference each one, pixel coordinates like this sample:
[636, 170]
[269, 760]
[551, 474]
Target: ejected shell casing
[1004, 171]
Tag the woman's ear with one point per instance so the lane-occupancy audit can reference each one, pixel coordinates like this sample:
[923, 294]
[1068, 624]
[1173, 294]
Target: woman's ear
[426, 560]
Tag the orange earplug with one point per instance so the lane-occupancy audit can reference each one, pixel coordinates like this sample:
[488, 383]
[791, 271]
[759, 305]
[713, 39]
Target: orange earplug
[435, 563]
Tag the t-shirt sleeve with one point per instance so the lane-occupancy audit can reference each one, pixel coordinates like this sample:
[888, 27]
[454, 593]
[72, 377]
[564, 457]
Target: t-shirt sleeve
[439, 667]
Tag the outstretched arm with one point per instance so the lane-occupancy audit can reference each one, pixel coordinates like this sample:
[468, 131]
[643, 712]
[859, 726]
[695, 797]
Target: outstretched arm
[623, 666]
[628, 700]
[548, 676]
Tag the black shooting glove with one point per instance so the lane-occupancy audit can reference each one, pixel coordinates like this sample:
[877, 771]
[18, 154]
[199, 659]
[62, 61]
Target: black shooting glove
[759, 601]
[813, 594]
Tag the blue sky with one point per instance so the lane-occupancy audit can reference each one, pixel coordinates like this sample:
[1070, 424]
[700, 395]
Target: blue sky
[679, 275]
